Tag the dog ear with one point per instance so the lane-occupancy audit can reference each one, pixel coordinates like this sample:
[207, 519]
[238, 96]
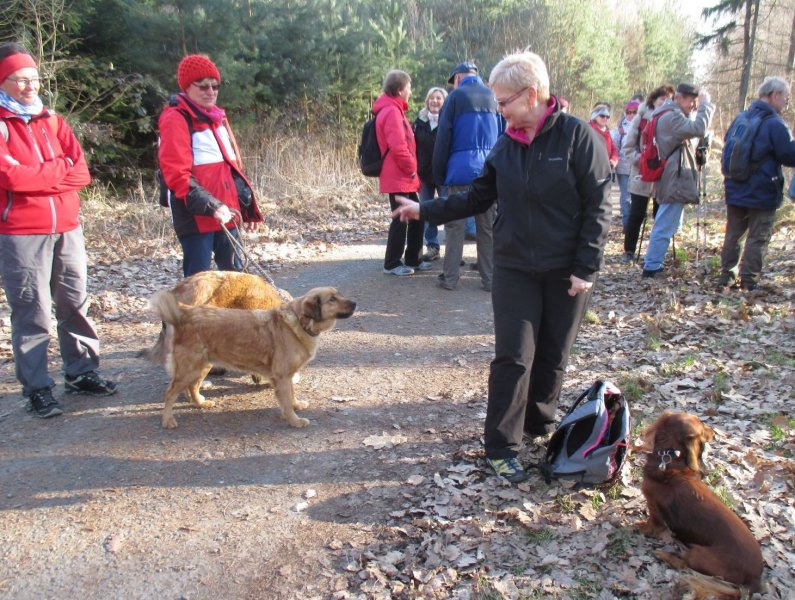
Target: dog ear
[313, 307]
[693, 447]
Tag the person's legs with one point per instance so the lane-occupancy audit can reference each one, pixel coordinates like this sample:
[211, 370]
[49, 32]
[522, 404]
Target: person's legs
[517, 300]
[453, 244]
[396, 239]
[26, 267]
[623, 198]
[427, 192]
[226, 258]
[561, 316]
[736, 227]
[77, 338]
[414, 230]
[666, 224]
[485, 245]
[760, 230]
[639, 206]
[197, 252]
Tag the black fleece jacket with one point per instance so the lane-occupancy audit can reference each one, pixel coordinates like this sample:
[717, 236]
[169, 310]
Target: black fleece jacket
[553, 199]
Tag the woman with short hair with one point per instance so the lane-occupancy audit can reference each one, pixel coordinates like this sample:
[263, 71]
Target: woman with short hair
[398, 173]
[550, 178]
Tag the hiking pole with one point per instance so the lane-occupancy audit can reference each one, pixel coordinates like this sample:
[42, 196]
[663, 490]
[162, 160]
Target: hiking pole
[643, 228]
[702, 152]
[245, 258]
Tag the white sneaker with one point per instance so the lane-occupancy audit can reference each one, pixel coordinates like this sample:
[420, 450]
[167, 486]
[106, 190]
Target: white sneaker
[424, 266]
[400, 271]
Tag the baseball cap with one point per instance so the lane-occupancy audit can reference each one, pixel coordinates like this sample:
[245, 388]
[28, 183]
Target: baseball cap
[687, 89]
[464, 67]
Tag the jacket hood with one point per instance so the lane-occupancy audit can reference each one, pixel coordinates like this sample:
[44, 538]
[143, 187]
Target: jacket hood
[762, 106]
[384, 101]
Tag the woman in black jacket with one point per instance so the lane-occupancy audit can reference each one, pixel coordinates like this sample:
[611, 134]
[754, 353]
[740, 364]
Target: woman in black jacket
[425, 127]
[550, 177]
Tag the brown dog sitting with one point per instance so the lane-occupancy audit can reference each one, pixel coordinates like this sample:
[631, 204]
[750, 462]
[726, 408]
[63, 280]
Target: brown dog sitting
[719, 543]
[272, 343]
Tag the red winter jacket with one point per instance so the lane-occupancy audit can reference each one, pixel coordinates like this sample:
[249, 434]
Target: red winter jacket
[197, 163]
[41, 168]
[612, 151]
[399, 172]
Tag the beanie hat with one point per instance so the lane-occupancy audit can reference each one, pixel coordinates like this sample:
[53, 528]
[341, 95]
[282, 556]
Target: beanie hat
[195, 67]
[600, 111]
[14, 62]
[632, 104]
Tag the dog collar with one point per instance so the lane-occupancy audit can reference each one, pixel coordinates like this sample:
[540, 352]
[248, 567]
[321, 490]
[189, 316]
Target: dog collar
[667, 456]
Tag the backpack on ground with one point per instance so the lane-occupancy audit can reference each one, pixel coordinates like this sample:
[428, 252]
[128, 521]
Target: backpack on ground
[590, 445]
[370, 158]
[651, 164]
[737, 161]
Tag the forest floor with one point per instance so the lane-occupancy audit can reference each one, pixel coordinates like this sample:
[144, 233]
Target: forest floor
[386, 494]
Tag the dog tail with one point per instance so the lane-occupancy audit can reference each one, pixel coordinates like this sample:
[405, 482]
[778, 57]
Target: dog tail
[706, 586]
[156, 353]
[165, 304]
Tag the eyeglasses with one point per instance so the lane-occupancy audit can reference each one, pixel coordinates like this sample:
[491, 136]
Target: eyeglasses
[509, 99]
[632, 112]
[23, 83]
[206, 86]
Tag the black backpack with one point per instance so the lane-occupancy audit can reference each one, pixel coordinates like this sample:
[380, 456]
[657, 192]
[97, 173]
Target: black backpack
[737, 161]
[370, 158]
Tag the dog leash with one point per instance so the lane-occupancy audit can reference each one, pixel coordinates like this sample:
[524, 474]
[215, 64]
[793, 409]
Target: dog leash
[245, 258]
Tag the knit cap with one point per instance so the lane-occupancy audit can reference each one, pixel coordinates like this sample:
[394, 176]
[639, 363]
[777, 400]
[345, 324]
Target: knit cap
[195, 67]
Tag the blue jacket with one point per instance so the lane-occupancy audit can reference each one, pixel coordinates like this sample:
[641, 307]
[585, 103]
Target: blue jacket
[773, 147]
[469, 126]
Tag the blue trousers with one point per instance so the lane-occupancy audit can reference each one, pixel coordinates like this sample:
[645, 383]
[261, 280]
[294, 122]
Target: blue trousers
[198, 250]
[666, 224]
[427, 192]
[624, 201]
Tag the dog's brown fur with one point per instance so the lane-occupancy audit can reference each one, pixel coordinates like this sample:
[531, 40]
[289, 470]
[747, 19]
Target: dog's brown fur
[272, 343]
[224, 289]
[719, 543]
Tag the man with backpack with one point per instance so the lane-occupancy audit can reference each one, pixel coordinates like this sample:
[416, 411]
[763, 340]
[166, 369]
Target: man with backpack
[754, 181]
[678, 184]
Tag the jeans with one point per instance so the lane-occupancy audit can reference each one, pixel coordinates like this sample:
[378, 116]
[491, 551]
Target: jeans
[535, 325]
[758, 225]
[198, 250]
[666, 224]
[427, 192]
[623, 198]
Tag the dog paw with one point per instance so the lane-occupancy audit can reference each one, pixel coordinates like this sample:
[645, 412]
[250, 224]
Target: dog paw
[202, 403]
[299, 422]
[300, 404]
[169, 422]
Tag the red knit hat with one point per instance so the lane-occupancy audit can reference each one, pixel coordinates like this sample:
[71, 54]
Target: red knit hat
[195, 67]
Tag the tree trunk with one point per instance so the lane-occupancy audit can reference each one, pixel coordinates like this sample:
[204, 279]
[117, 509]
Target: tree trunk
[749, 40]
[791, 54]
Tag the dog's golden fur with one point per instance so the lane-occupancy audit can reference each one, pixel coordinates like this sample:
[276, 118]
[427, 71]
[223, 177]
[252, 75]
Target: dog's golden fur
[224, 289]
[272, 343]
[719, 543]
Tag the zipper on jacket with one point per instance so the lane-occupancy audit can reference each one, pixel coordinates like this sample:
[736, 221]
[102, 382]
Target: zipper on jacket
[47, 140]
[35, 145]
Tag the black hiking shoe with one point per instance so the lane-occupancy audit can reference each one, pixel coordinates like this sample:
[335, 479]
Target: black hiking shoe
[89, 383]
[43, 404]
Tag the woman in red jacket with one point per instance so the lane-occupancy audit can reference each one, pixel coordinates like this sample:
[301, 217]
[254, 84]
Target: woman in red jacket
[399, 173]
[202, 167]
[41, 241]
[600, 116]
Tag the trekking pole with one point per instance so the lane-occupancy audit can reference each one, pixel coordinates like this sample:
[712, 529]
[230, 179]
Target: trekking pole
[701, 224]
[643, 228]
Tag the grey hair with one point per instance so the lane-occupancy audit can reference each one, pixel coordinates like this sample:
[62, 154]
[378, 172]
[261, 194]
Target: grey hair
[771, 85]
[521, 70]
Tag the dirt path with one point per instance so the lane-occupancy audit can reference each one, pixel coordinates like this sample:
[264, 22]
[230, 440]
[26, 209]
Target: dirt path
[384, 494]
[102, 500]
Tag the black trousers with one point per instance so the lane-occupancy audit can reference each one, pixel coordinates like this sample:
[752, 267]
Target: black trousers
[535, 325]
[637, 212]
[404, 241]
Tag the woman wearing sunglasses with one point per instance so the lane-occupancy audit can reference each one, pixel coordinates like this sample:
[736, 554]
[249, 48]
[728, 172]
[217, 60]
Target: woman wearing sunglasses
[202, 167]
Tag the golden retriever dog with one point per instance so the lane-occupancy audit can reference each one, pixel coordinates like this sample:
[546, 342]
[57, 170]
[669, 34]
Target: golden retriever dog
[273, 343]
[719, 542]
[225, 289]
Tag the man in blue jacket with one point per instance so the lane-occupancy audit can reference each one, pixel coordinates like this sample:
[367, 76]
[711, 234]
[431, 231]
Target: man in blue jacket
[469, 126]
[751, 204]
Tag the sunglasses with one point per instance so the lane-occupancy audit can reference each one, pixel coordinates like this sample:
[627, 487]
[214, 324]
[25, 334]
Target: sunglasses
[206, 86]
[632, 112]
[605, 116]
